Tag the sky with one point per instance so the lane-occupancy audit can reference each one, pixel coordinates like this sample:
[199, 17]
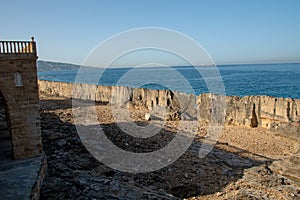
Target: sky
[231, 31]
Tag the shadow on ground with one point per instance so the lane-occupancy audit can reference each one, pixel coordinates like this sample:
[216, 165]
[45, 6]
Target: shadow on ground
[73, 173]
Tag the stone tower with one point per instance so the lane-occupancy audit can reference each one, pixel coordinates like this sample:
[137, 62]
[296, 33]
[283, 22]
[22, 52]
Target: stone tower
[20, 133]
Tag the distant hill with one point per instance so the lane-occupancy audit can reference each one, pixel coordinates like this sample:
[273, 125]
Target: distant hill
[55, 66]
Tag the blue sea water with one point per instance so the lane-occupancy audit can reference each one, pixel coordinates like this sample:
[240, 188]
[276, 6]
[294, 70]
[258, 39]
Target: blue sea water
[279, 80]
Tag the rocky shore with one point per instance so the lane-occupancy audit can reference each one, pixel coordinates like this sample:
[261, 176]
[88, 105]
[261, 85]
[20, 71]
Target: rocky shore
[246, 163]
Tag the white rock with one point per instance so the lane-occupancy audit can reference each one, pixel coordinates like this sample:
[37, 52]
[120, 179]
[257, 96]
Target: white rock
[147, 116]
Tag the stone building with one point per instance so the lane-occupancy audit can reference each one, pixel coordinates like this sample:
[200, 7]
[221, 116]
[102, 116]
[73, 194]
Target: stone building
[20, 134]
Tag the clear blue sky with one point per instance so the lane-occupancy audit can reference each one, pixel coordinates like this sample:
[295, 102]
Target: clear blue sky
[232, 31]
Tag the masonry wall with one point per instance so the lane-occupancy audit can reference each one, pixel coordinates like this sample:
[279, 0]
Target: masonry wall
[280, 115]
[22, 103]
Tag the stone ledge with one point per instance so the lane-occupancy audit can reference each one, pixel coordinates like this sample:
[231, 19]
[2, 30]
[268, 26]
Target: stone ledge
[35, 192]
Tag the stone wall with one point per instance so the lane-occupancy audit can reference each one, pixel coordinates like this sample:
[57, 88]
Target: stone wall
[281, 115]
[18, 84]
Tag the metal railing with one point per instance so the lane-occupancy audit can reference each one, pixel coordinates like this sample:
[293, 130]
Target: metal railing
[17, 47]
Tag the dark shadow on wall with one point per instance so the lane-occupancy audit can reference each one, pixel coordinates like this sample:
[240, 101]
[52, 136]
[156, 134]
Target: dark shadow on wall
[63, 103]
[254, 121]
[6, 150]
[73, 173]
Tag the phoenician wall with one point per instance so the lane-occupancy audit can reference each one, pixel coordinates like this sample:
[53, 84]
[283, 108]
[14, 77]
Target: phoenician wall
[280, 115]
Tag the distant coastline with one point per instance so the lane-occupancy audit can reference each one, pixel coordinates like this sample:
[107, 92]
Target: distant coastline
[67, 66]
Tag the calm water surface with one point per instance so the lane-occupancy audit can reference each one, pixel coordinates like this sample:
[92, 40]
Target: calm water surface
[279, 80]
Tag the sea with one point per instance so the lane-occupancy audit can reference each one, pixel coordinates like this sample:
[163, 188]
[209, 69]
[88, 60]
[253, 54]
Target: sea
[277, 80]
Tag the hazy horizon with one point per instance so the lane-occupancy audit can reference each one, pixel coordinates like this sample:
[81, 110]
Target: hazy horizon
[126, 66]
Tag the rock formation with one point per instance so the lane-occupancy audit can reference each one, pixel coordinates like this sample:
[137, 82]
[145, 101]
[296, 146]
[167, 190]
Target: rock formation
[281, 115]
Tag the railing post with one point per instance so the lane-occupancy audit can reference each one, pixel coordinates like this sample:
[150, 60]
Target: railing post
[33, 46]
[5, 47]
[24, 47]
